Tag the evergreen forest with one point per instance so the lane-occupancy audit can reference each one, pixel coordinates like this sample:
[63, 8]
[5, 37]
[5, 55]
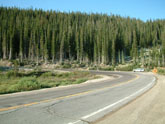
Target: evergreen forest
[55, 37]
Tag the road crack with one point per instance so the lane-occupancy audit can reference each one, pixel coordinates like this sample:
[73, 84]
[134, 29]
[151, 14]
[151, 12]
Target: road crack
[51, 110]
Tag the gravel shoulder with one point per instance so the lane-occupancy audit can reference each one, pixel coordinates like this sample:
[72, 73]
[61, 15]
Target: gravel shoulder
[147, 109]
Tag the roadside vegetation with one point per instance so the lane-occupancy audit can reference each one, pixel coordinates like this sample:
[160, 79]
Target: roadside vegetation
[161, 71]
[17, 81]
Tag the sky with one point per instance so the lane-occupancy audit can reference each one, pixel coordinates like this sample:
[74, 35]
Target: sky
[140, 9]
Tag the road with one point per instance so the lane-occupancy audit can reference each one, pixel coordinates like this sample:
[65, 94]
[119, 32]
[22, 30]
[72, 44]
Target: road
[78, 104]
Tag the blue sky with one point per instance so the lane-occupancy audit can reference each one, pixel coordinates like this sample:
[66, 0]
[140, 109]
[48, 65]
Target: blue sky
[141, 9]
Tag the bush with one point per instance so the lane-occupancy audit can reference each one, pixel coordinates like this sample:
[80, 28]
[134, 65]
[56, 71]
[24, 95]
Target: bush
[82, 65]
[63, 75]
[28, 83]
[13, 88]
[64, 83]
[161, 71]
[80, 81]
[37, 80]
[148, 69]
[66, 65]
[109, 68]
[24, 84]
[47, 74]
[92, 68]
[46, 85]
[125, 68]
[13, 73]
[34, 73]
[49, 84]
[3, 89]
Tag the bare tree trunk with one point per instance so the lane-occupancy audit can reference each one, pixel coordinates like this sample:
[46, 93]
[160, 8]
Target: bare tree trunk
[163, 60]
[53, 58]
[4, 54]
[10, 54]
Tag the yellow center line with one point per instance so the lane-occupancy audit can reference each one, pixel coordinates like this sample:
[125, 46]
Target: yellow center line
[29, 104]
[10, 108]
[68, 96]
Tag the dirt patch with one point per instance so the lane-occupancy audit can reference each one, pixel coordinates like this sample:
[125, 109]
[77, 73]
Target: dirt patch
[147, 109]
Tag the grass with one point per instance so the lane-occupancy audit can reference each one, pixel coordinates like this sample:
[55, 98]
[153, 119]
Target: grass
[16, 81]
[161, 71]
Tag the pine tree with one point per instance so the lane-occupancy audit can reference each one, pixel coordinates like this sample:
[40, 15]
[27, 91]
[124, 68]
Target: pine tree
[123, 57]
[26, 37]
[37, 47]
[113, 53]
[46, 49]
[62, 48]
[119, 57]
[0, 43]
[134, 48]
[53, 47]
[77, 46]
[21, 45]
[42, 45]
[4, 45]
[11, 43]
[163, 47]
[142, 57]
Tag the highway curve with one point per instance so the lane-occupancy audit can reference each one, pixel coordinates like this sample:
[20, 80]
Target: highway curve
[76, 104]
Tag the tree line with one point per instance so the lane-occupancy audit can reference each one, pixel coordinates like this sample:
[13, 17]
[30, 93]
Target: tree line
[53, 36]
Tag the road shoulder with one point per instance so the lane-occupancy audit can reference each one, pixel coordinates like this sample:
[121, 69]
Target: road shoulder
[147, 109]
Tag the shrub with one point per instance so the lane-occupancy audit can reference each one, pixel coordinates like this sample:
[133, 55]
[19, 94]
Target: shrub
[92, 68]
[34, 73]
[161, 71]
[13, 88]
[125, 68]
[24, 84]
[45, 85]
[78, 81]
[82, 65]
[64, 75]
[49, 84]
[28, 83]
[64, 83]
[66, 65]
[3, 89]
[109, 68]
[47, 74]
[148, 69]
[34, 80]
[13, 73]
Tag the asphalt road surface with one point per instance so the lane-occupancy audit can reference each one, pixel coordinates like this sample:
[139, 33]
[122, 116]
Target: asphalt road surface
[78, 104]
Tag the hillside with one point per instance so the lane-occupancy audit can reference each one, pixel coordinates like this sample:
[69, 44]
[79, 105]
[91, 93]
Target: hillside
[56, 37]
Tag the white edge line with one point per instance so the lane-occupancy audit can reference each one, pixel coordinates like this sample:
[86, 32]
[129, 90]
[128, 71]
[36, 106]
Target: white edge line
[111, 105]
[74, 122]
